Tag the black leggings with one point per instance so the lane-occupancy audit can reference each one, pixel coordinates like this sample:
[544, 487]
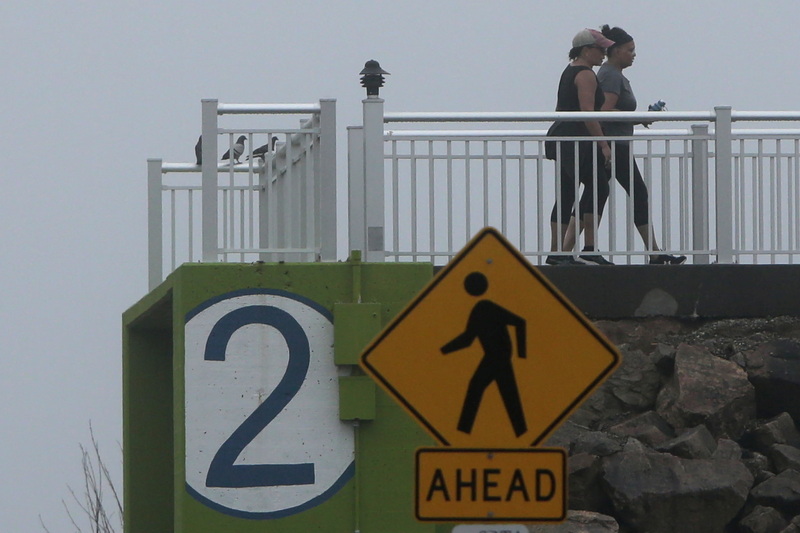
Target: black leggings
[641, 209]
[586, 168]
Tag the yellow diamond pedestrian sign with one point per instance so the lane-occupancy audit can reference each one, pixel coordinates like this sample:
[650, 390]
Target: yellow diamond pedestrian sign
[490, 353]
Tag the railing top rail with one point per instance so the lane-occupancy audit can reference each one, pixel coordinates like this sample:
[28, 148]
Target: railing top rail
[549, 116]
[517, 134]
[191, 167]
[252, 109]
[765, 115]
[264, 131]
[766, 133]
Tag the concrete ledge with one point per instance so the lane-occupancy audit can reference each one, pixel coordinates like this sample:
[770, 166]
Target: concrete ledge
[696, 291]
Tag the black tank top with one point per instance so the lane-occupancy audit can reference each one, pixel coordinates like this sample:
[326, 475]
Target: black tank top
[568, 99]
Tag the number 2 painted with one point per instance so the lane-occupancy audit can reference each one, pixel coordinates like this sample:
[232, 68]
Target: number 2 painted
[263, 438]
[223, 472]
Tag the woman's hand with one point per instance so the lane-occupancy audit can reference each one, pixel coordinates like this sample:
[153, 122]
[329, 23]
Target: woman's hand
[606, 149]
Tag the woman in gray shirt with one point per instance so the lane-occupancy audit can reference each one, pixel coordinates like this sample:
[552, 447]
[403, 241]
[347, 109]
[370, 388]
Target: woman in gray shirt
[619, 97]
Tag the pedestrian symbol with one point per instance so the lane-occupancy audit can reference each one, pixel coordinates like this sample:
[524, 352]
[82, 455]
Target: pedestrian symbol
[490, 353]
[488, 322]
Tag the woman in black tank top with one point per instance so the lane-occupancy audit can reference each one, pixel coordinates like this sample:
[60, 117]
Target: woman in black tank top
[578, 90]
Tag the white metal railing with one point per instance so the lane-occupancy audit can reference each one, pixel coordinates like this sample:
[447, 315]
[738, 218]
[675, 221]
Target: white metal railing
[766, 192]
[277, 203]
[715, 193]
[719, 195]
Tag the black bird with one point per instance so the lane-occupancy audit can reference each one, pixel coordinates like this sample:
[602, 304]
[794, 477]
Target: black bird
[262, 151]
[198, 151]
[238, 149]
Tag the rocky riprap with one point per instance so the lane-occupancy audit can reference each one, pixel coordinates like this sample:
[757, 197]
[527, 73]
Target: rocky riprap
[696, 432]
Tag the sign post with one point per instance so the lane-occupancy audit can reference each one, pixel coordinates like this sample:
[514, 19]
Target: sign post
[490, 358]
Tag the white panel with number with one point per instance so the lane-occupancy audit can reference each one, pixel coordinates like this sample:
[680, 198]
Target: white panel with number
[263, 435]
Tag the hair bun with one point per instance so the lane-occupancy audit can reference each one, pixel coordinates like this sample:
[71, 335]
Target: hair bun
[616, 34]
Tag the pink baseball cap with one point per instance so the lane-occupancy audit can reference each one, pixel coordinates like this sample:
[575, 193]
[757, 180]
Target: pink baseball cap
[588, 36]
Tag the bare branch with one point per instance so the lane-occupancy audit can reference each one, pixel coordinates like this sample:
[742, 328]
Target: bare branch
[41, 521]
[91, 503]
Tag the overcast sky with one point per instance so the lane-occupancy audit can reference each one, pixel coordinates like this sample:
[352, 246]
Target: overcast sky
[91, 89]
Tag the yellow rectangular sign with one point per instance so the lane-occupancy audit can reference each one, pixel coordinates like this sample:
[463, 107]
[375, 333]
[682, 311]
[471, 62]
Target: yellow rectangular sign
[491, 485]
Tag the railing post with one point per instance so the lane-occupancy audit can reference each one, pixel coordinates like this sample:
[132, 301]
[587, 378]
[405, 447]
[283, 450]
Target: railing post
[155, 236]
[356, 217]
[267, 204]
[724, 184]
[209, 181]
[373, 178]
[700, 207]
[326, 218]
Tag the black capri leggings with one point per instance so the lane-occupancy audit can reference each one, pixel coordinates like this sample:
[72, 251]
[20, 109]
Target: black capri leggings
[586, 166]
[622, 160]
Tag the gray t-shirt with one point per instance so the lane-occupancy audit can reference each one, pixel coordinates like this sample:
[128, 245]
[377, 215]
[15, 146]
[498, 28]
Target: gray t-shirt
[613, 81]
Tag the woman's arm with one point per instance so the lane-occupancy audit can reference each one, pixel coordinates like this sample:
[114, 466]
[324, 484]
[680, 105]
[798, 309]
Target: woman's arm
[611, 105]
[611, 102]
[586, 82]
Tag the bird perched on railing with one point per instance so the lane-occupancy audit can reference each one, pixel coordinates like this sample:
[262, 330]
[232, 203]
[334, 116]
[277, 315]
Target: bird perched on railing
[262, 151]
[198, 151]
[238, 149]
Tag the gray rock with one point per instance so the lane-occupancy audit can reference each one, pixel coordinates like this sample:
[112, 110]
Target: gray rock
[764, 476]
[727, 450]
[617, 331]
[756, 463]
[598, 408]
[579, 522]
[642, 334]
[774, 370]
[657, 302]
[636, 382]
[763, 520]
[785, 457]
[779, 430]
[585, 491]
[716, 378]
[781, 491]
[794, 526]
[664, 358]
[647, 427]
[705, 389]
[597, 443]
[740, 360]
[566, 435]
[695, 443]
[632, 388]
[661, 493]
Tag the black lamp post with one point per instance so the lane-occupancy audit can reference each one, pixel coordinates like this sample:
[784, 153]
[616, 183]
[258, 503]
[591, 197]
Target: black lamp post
[372, 78]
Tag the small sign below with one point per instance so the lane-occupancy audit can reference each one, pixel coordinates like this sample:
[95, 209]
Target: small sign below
[491, 485]
[490, 528]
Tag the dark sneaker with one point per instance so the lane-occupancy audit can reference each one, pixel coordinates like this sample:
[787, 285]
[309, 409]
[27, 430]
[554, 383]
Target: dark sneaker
[561, 260]
[666, 259]
[594, 259]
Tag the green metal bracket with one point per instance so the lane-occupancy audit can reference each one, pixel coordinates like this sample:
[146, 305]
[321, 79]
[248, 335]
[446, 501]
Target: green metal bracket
[356, 326]
[356, 398]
